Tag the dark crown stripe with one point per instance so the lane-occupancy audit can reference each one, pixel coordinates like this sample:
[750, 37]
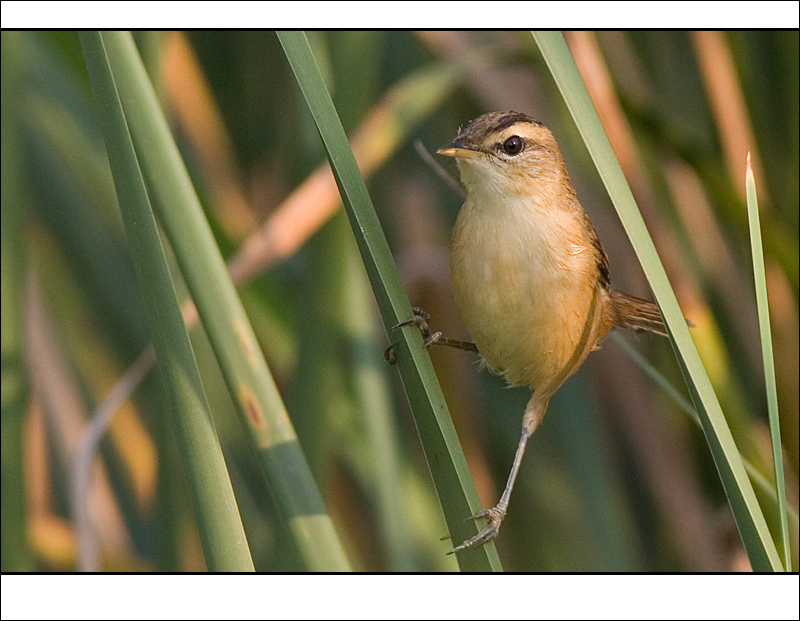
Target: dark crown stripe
[495, 122]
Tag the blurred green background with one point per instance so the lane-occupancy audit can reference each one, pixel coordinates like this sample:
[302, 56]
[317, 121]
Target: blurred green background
[618, 478]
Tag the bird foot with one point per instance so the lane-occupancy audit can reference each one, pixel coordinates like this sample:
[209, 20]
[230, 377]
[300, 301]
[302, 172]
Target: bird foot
[494, 517]
[420, 319]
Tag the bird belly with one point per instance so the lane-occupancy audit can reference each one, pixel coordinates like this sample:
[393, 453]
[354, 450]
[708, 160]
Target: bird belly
[519, 298]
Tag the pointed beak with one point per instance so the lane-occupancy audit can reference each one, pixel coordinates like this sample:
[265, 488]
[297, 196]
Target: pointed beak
[457, 149]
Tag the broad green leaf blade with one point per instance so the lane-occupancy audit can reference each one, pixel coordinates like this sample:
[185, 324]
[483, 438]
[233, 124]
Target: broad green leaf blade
[443, 452]
[218, 520]
[250, 383]
[746, 510]
[762, 301]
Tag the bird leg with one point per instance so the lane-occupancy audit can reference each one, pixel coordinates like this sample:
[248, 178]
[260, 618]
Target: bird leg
[420, 319]
[495, 516]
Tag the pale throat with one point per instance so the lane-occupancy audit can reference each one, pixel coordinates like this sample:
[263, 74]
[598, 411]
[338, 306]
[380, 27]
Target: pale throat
[526, 223]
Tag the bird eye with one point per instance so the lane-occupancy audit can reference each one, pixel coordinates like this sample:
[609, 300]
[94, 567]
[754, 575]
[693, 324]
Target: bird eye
[513, 145]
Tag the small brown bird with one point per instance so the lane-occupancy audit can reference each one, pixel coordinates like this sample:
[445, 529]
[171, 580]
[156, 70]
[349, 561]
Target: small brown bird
[529, 277]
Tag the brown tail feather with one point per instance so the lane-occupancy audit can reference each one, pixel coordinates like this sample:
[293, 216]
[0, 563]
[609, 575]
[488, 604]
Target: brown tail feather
[636, 314]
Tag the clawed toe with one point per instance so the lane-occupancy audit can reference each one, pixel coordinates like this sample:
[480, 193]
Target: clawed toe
[489, 532]
[388, 354]
[420, 319]
[494, 517]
